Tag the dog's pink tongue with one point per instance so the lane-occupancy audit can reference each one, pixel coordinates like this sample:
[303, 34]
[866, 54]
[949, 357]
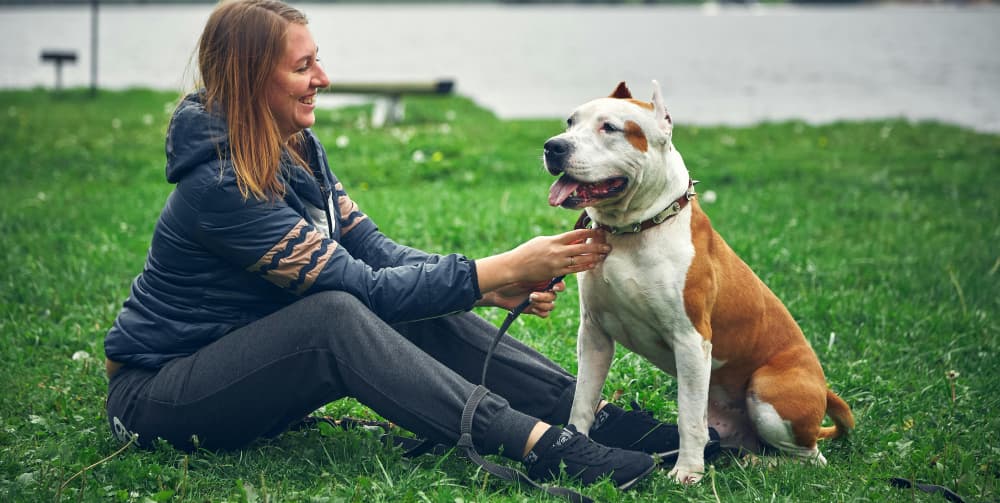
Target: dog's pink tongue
[561, 189]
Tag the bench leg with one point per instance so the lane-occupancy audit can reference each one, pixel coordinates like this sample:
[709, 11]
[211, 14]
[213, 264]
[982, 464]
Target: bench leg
[396, 108]
[387, 110]
[58, 75]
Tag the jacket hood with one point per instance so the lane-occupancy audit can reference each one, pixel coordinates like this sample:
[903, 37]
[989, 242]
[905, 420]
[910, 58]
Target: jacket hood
[195, 136]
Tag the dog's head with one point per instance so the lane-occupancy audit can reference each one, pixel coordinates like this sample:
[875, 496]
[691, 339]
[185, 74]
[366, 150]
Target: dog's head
[611, 148]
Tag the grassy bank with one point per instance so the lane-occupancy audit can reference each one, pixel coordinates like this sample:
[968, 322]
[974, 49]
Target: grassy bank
[881, 237]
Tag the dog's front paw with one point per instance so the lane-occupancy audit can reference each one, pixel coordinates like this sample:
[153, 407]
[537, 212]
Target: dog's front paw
[690, 474]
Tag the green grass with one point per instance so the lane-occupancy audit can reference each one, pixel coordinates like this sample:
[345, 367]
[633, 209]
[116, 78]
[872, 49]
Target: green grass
[884, 233]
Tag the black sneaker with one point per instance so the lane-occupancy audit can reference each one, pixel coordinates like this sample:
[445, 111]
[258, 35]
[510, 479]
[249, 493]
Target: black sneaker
[585, 460]
[638, 430]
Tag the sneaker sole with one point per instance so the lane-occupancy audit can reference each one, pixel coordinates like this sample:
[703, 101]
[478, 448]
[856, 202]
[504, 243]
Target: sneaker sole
[667, 457]
[631, 483]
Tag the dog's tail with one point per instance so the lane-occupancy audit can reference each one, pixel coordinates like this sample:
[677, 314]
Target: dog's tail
[840, 413]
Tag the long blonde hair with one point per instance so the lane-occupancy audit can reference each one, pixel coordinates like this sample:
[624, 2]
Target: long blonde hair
[239, 48]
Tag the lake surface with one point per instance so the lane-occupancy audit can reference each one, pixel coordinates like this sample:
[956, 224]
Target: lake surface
[717, 65]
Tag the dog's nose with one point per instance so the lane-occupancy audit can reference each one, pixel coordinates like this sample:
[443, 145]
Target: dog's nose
[557, 150]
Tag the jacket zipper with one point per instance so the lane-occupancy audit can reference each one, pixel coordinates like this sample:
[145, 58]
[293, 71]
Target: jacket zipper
[327, 198]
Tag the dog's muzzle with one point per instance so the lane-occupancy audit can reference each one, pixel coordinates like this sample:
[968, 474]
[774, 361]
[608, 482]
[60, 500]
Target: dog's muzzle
[557, 152]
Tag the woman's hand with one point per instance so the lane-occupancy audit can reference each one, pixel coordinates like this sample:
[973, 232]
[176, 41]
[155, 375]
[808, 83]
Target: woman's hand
[543, 258]
[567, 253]
[542, 301]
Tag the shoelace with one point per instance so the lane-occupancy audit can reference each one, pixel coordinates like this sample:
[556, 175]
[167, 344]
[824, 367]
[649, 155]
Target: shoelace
[579, 447]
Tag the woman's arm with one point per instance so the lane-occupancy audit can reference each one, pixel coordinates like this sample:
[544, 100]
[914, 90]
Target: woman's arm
[542, 299]
[272, 241]
[542, 258]
[367, 243]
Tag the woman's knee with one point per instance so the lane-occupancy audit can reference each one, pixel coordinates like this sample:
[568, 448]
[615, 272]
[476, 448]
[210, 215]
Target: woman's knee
[326, 306]
[336, 313]
[333, 299]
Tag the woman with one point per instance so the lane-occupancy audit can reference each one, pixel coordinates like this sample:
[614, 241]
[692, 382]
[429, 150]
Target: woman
[267, 293]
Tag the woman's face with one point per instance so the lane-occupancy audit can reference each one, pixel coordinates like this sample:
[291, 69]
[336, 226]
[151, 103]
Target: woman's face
[291, 93]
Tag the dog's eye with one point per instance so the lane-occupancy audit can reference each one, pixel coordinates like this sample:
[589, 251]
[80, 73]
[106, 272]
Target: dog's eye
[608, 127]
[569, 122]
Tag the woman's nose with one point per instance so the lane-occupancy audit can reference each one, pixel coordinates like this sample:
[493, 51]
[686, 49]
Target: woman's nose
[320, 79]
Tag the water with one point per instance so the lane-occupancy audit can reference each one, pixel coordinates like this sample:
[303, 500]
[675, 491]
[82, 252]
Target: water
[717, 65]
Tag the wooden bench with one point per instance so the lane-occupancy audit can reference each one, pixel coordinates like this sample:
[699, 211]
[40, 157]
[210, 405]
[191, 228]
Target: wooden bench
[389, 107]
[58, 57]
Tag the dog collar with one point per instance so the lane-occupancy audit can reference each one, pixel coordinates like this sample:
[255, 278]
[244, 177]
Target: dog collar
[667, 213]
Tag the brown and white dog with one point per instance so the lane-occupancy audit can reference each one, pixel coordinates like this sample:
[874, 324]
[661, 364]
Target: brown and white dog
[673, 291]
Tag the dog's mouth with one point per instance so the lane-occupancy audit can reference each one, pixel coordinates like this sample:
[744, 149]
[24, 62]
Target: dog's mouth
[573, 194]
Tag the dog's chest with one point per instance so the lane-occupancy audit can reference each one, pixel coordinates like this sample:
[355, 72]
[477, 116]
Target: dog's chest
[637, 294]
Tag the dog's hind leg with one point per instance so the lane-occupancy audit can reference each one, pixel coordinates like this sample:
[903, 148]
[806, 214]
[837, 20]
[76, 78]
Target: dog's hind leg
[786, 404]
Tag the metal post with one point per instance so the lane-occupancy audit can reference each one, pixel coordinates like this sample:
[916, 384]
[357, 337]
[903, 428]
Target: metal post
[93, 47]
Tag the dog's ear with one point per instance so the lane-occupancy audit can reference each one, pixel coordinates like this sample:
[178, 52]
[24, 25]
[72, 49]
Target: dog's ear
[660, 110]
[621, 92]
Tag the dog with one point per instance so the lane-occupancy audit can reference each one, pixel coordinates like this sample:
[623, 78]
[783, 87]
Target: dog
[674, 292]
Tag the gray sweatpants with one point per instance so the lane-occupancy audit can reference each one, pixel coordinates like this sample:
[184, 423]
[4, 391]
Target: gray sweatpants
[261, 378]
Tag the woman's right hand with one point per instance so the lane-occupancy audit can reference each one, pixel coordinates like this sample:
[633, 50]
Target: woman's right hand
[543, 258]
[546, 257]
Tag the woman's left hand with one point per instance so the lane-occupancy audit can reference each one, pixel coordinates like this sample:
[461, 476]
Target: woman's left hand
[542, 301]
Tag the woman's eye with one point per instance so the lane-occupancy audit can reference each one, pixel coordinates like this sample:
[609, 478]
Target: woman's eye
[305, 68]
[608, 127]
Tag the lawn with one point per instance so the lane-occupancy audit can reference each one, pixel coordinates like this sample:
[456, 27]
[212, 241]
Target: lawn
[882, 238]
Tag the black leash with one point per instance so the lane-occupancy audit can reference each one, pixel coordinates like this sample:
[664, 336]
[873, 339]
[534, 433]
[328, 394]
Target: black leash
[927, 488]
[508, 474]
[465, 440]
[511, 316]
